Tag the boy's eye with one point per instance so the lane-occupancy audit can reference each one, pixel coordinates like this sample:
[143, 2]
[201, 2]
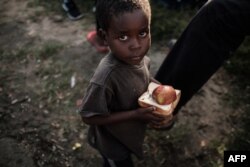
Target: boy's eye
[123, 38]
[143, 34]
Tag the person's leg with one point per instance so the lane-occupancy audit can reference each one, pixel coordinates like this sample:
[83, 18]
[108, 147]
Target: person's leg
[95, 39]
[97, 42]
[72, 10]
[213, 34]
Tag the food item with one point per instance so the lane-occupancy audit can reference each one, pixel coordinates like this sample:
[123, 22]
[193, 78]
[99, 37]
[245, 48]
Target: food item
[146, 100]
[164, 94]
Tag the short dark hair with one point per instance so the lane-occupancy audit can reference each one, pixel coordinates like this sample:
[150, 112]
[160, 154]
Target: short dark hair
[106, 9]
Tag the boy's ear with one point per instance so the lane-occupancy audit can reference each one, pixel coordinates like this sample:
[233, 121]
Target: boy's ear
[103, 35]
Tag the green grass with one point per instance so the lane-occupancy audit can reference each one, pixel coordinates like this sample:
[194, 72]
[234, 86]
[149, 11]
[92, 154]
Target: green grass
[55, 6]
[167, 24]
[49, 5]
[48, 49]
[239, 66]
[50, 76]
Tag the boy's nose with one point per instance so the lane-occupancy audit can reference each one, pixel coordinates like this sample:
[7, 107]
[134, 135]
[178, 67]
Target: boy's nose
[135, 43]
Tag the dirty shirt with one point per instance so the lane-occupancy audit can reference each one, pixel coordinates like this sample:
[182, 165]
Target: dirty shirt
[115, 87]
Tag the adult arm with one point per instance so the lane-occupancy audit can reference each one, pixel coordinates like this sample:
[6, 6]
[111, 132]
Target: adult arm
[212, 35]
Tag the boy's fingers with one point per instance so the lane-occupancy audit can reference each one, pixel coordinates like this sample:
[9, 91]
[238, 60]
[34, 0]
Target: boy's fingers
[153, 108]
[158, 118]
[156, 123]
[159, 115]
[150, 109]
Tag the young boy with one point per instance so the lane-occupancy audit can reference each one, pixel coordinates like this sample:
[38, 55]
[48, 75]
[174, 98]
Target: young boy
[110, 107]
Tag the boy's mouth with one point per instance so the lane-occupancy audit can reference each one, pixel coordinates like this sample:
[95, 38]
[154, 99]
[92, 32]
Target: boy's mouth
[136, 58]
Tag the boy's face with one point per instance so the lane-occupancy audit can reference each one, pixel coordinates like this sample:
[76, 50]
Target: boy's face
[129, 36]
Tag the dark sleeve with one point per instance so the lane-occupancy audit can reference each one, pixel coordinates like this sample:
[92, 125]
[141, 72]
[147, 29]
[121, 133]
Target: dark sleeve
[209, 39]
[96, 101]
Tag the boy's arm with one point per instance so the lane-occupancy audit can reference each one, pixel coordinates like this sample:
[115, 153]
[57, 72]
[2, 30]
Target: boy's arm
[143, 114]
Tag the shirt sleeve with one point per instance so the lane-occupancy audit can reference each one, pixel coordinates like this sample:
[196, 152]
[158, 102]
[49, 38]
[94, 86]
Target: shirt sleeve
[96, 101]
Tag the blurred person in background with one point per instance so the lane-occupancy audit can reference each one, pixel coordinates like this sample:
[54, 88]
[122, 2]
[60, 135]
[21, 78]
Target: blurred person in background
[73, 14]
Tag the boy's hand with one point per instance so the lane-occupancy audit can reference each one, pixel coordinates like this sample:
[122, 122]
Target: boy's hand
[147, 114]
[165, 125]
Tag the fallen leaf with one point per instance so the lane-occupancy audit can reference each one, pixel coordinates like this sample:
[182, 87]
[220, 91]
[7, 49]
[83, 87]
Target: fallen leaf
[76, 146]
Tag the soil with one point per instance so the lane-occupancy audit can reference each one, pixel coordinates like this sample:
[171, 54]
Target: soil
[32, 134]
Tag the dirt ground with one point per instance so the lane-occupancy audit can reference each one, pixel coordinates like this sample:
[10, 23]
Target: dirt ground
[35, 133]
